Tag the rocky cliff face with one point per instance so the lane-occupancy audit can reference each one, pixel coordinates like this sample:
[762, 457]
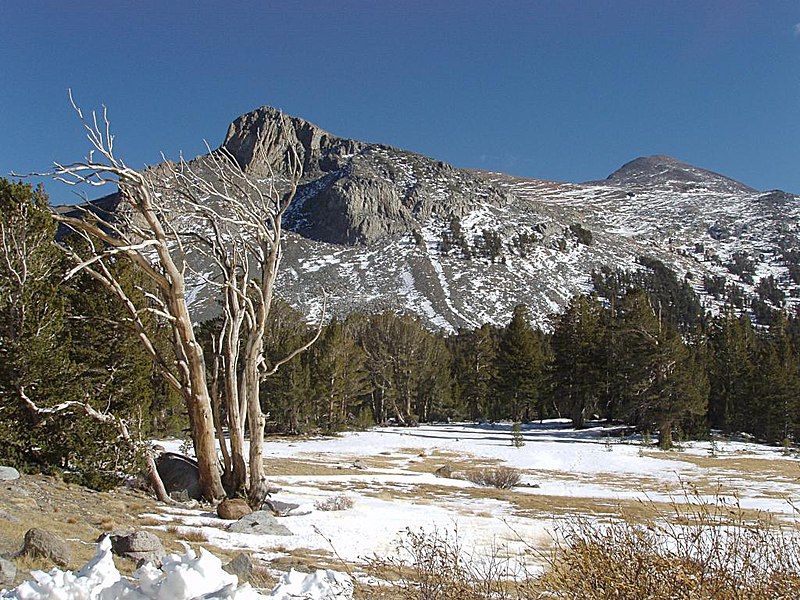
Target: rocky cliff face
[353, 192]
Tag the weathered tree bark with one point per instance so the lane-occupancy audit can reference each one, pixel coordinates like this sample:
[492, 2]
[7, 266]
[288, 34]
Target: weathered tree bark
[665, 434]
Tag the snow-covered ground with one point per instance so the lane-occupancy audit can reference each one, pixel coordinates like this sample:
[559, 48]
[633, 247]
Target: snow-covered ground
[389, 474]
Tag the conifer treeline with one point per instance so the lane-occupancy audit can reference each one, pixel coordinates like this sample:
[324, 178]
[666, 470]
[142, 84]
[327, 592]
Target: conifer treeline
[643, 353]
[639, 350]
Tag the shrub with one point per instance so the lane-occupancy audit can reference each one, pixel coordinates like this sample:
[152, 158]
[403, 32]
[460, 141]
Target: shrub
[517, 439]
[503, 478]
[583, 235]
[705, 550]
[433, 565]
[334, 503]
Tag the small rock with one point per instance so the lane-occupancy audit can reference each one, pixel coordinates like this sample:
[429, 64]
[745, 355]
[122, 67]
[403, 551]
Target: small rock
[241, 566]
[444, 471]
[140, 546]
[233, 509]
[44, 544]
[8, 474]
[259, 522]
[8, 572]
[278, 508]
[359, 464]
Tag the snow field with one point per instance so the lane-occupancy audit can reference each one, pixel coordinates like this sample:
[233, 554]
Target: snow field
[399, 491]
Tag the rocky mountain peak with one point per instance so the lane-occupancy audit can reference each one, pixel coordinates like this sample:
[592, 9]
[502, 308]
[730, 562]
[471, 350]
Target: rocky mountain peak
[259, 139]
[352, 192]
[667, 172]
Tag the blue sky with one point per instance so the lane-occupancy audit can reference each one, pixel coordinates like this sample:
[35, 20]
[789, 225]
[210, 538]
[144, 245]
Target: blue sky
[552, 89]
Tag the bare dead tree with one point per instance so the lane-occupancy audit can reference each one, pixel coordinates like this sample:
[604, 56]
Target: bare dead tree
[236, 220]
[238, 225]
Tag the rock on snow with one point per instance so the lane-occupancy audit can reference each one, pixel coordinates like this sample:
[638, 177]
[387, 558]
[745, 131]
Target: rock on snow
[181, 577]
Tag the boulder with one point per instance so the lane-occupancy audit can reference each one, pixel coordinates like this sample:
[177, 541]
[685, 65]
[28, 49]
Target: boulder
[8, 473]
[138, 546]
[241, 566]
[180, 475]
[259, 522]
[45, 544]
[233, 509]
[8, 572]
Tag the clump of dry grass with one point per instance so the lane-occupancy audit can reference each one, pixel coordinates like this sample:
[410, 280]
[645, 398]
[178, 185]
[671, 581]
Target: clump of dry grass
[504, 478]
[704, 550]
[700, 549]
[262, 579]
[194, 535]
[433, 565]
[340, 502]
[187, 534]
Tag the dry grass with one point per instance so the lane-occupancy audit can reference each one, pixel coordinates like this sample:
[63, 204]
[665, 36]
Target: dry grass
[702, 550]
[698, 550]
[290, 466]
[262, 579]
[748, 467]
[187, 534]
[433, 565]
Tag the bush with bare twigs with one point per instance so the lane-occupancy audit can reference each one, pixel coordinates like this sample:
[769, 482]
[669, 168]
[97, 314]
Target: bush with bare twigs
[700, 549]
[703, 550]
[503, 478]
[433, 565]
[334, 503]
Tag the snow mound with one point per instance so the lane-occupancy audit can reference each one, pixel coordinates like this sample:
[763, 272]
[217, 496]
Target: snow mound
[323, 584]
[181, 577]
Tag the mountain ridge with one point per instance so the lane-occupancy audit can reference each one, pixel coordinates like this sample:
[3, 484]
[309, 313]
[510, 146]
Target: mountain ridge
[384, 228]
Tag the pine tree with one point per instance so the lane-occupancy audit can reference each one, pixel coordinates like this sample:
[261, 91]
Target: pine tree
[666, 381]
[775, 402]
[732, 344]
[286, 395]
[339, 378]
[34, 361]
[474, 369]
[578, 349]
[517, 439]
[520, 369]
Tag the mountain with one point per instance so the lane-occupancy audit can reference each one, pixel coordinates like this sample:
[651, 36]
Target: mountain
[379, 227]
[665, 171]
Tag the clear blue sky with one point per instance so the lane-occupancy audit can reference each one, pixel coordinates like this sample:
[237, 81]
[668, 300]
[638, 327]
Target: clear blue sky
[565, 90]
